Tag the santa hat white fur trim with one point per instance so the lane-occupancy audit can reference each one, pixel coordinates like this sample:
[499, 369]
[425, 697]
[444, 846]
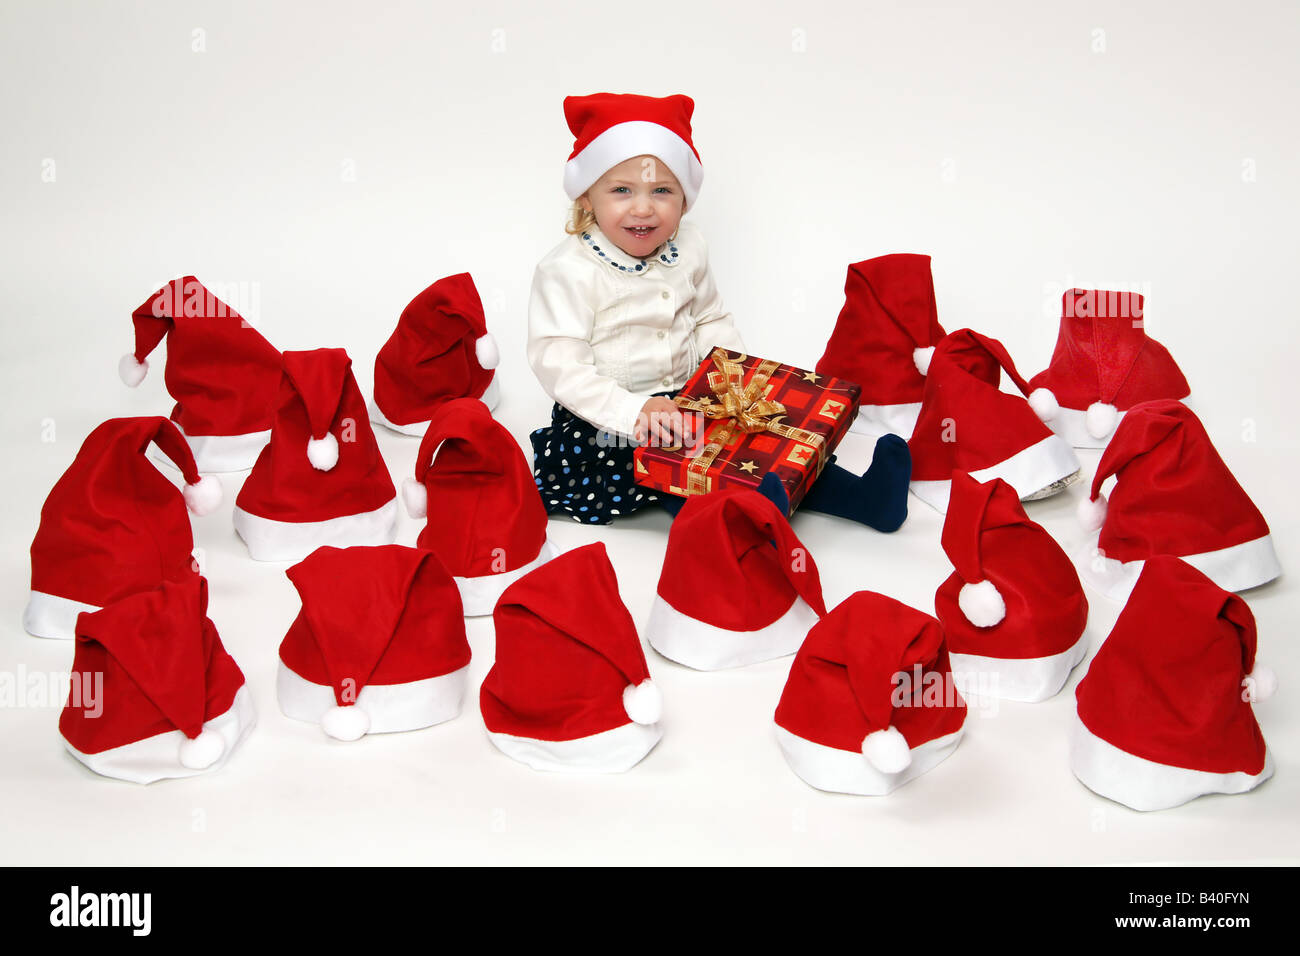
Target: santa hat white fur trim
[323, 453]
[982, 603]
[1100, 419]
[345, 723]
[201, 752]
[1092, 513]
[643, 702]
[922, 356]
[485, 349]
[1043, 402]
[416, 498]
[1260, 684]
[132, 372]
[203, 496]
[887, 750]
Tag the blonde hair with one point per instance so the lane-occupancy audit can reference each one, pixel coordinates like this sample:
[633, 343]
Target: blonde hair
[580, 220]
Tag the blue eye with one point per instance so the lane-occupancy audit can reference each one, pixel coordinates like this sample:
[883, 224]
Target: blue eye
[664, 189]
[618, 189]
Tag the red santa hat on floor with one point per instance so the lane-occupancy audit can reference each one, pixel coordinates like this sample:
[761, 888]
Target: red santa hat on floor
[154, 693]
[1013, 610]
[1164, 713]
[610, 128]
[1102, 366]
[114, 524]
[968, 424]
[485, 520]
[570, 689]
[379, 645]
[1173, 494]
[884, 339]
[869, 703]
[441, 350]
[737, 586]
[321, 480]
[221, 371]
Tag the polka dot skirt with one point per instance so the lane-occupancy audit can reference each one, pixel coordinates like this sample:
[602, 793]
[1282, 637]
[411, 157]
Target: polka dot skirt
[584, 471]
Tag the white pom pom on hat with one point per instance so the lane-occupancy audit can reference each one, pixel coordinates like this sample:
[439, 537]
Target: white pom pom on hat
[643, 702]
[485, 349]
[922, 356]
[131, 371]
[345, 723]
[323, 453]
[1100, 419]
[201, 752]
[204, 496]
[416, 498]
[1092, 513]
[887, 750]
[1043, 402]
[1260, 684]
[982, 603]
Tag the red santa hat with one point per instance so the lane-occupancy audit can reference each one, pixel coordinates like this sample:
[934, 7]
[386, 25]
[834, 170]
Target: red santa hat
[870, 703]
[883, 340]
[1013, 611]
[321, 480]
[737, 585]
[1102, 366]
[441, 350]
[221, 371]
[154, 693]
[485, 521]
[114, 524]
[968, 424]
[1173, 494]
[610, 128]
[569, 689]
[1164, 713]
[379, 645]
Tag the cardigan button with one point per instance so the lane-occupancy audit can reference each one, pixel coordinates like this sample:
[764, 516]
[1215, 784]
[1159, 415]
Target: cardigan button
[665, 293]
[667, 382]
[661, 333]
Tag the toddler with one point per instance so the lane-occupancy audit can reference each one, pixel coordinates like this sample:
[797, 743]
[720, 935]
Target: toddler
[623, 311]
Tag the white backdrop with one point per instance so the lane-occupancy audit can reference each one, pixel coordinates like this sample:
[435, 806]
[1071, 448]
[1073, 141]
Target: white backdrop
[327, 161]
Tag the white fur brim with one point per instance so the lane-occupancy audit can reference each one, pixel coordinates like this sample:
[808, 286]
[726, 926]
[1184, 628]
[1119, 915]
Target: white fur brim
[611, 751]
[215, 454]
[1028, 471]
[491, 397]
[628, 140]
[158, 757]
[1144, 784]
[847, 771]
[876, 420]
[271, 540]
[478, 596]
[48, 615]
[706, 647]
[392, 708]
[1026, 679]
[1239, 567]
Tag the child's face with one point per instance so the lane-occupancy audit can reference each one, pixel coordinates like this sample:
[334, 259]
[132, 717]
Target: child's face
[638, 204]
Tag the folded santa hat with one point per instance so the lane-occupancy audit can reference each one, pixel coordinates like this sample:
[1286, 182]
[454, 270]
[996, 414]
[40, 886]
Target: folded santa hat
[1103, 364]
[1013, 610]
[569, 689]
[154, 693]
[870, 702]
[441, 350]
[221, 371]
[737, 586]
[968, 424]
[1173, 494]
[321, 480]
[883, 340]
[379, 644]
[113, 524]
[1164, 713]
[485, 521]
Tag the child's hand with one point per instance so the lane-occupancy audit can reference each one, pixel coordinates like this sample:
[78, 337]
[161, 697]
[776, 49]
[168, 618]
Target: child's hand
[662, 421]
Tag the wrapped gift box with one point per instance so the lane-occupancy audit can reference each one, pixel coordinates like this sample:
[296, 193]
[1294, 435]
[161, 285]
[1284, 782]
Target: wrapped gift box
[760, 416]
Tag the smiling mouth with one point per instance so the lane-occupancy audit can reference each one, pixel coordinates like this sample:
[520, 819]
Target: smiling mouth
[640, 231]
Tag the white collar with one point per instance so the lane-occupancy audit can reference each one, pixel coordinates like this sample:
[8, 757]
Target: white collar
[602, 248]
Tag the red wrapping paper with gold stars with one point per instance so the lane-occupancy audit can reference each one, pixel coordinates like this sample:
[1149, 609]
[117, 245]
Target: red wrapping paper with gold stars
[759, 416]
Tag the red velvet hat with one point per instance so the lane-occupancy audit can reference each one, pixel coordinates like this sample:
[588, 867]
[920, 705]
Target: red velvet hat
[114, 524]
[485, 521]
[737, 586]
[1164, 713]
[379, 645]
[441, 350]
[221, 371]
[321, 480]
[869, 703]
